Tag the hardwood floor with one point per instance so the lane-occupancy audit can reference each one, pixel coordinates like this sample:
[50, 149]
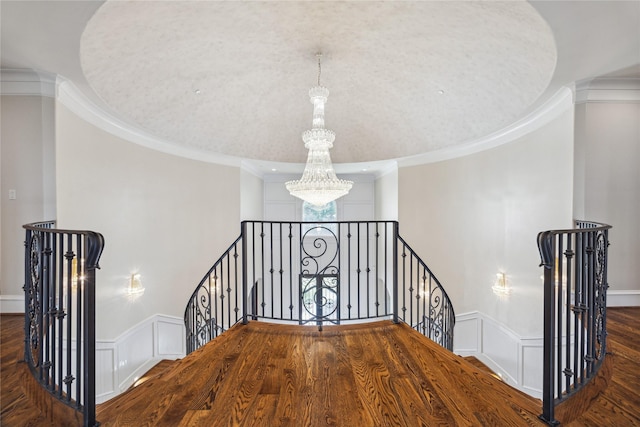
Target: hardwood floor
[619, 405]
[382, 375]
[16, 409]
[377, 374]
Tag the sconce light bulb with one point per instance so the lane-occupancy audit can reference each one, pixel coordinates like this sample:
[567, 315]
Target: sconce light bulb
[135, 285]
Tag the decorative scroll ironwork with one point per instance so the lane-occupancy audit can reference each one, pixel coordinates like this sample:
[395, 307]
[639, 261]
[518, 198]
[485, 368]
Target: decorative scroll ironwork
[60, 313]
[309, 272]
[315, 246]
[575, 288]
[320, 295]
[32, 299]
[600, 291]
[319, 278]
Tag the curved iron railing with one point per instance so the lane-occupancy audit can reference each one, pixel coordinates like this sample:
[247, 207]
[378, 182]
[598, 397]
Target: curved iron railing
[318, 273]
[213, 306]
[575, 310]
[426, 307]
[60, 276]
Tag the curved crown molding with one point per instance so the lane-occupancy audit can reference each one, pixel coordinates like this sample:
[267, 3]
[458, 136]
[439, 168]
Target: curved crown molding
[72, 98]
[560, 102]
[34, 83]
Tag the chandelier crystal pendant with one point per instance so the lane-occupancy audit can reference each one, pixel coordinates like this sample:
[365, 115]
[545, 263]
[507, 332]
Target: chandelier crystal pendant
[319, 184]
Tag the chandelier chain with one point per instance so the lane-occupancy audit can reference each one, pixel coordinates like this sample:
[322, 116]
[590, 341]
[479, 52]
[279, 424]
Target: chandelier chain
[319, 55]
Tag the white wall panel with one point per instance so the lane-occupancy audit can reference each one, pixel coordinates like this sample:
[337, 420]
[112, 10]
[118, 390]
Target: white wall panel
[119, 363]
[105, 371]
[466, 334]
[532, 352]
[517, 360]
[170, 337]
[501, 347]
[133, 351]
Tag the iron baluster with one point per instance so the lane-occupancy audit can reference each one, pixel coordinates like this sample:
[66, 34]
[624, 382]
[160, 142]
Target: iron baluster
[574, 306]
[319, 267]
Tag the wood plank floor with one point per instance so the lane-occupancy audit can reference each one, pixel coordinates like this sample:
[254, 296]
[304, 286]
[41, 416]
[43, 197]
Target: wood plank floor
[262, 375]
[377, 374]
[16, 409]
[619, 405]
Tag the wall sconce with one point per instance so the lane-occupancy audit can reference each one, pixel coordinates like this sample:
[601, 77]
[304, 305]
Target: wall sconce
[135, 285]
[500, 287]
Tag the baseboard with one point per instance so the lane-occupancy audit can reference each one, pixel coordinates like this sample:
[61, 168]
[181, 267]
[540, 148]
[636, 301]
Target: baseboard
[11, 304]
[625, 298]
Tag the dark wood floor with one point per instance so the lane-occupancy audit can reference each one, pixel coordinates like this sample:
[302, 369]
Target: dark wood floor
[619, 405]
[360, 376]
[377, 374]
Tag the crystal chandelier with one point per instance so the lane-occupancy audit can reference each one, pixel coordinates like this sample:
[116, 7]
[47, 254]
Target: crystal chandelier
[319, 184]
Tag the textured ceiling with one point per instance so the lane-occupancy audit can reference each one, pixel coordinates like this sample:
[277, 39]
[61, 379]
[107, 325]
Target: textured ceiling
[133, 68]
[405, 78]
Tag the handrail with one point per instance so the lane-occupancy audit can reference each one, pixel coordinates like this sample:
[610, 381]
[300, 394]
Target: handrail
[438, 325]
[203, 313]
[318, 273]
[60, 304]
[575, 307]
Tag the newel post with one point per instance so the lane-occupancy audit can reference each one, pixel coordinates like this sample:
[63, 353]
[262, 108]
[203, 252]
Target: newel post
[245, 296]
[546, 248]
[395, 271]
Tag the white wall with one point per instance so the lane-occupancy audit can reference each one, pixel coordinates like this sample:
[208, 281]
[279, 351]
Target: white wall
[27, 168]
[472, 217]
[251, 195]
[358, 205]
[608, 179]
[165, 217]
[387, 195]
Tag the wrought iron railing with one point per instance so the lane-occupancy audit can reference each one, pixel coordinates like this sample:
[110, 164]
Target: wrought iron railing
[60, 276]
[318, 273]
[575, 310]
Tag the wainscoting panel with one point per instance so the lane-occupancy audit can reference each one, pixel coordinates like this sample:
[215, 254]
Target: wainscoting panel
[121, 362]
[500, 346]
[105, 374]
[531, 350]
[517, 360]
[170, 337]
[465, 336]
[134, 349]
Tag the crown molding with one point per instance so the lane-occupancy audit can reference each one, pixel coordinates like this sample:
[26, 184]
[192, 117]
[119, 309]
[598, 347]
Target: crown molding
[608, 89]
[22, 82]
[72, 98]
[559, 103]
[29, 82]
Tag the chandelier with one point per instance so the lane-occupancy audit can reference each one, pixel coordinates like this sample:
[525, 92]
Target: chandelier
[319, 184]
